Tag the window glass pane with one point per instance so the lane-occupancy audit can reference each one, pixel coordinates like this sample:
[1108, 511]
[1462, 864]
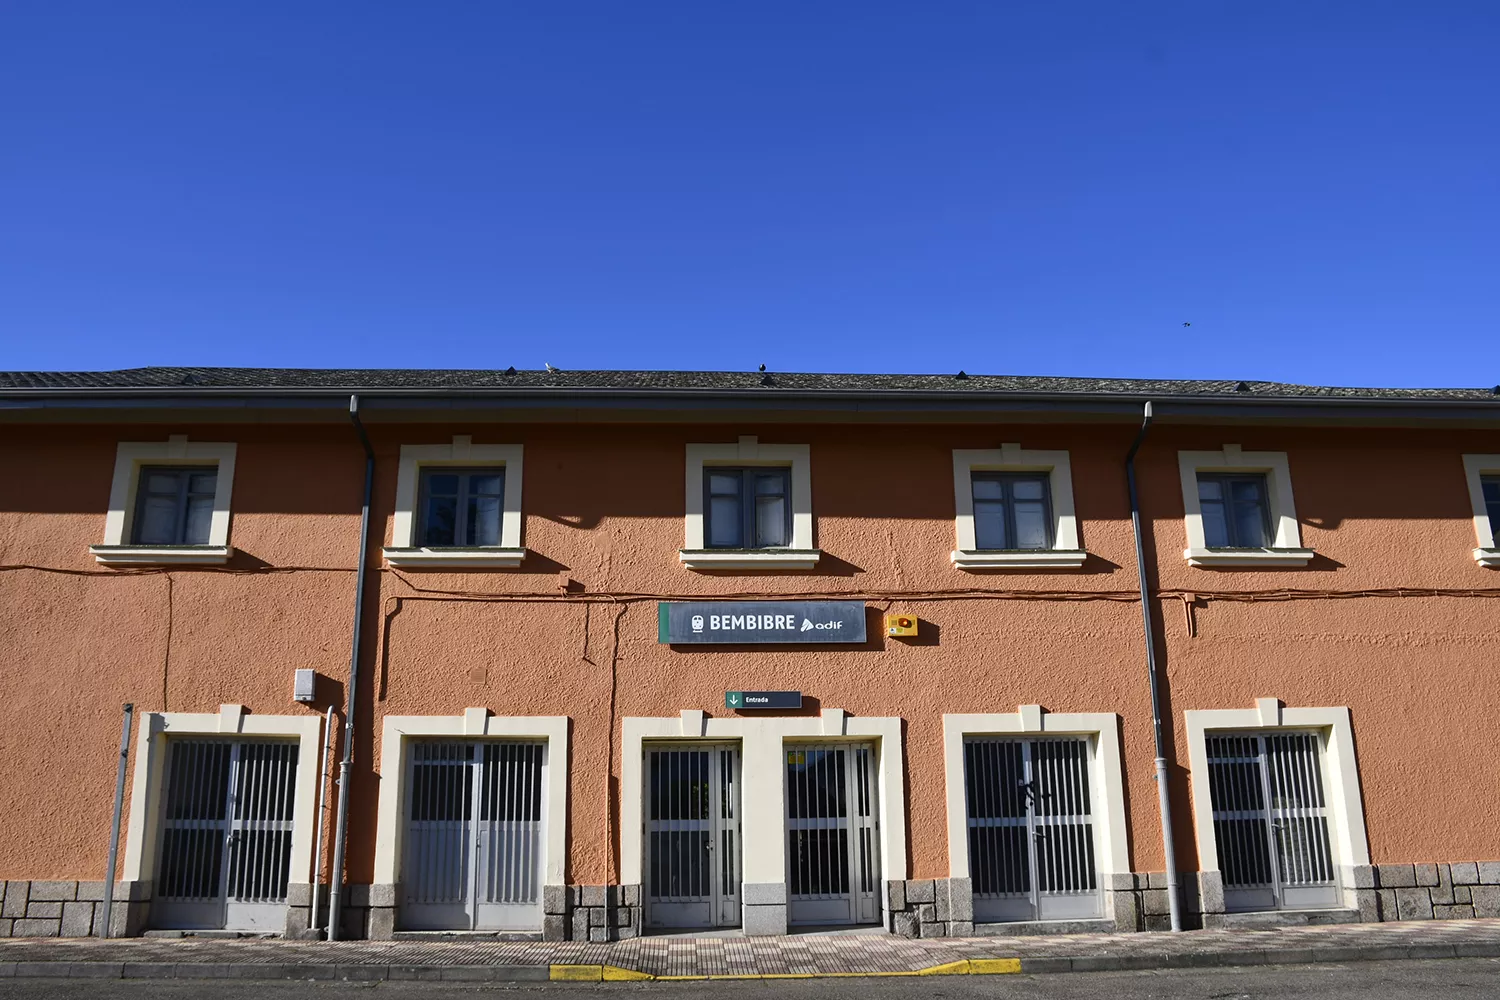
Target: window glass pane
[440, 525]
[1031, 526]
[770, 521]
[484, 521]
[989, 526]
[203, 482]
[487, 484]
[1215, 530]
[200, 511]
[1249, 523]
[1246, 490]
[770, 482]
[443, 484]
[1491, 486]
[1209, 489]
[1027, 489]
[158, 523]
[989, 489]
[161, 482]
[724, 522]
[724, 483]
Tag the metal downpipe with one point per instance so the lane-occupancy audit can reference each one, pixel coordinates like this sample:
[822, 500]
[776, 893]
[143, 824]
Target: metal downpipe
[341, 824]
[1153, 671]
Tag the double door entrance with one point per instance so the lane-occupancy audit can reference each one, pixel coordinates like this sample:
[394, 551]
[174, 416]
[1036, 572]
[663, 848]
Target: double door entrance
[1271, 821]
[693, 840]
[473, 837]
[226, 840]
[1031, 829]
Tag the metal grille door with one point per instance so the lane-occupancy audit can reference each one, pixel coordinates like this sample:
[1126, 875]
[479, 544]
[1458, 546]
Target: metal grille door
[226, 844]
[1031, 829]
[833, 853]
[473, 835]
[693, 836]
[1271, 821]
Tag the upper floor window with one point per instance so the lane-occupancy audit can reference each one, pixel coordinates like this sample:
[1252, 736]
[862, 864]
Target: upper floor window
[748, 508]
[462, 506]
[1491, 487]
[458, 506]
[174, 506]
[168, 503]
[1238, 509]
[1235, 512]
[1483, 474]
[1012, 510]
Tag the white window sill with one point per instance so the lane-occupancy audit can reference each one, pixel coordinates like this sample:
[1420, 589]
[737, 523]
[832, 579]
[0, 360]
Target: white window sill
[1488, 557]
[161, 555]
[1019, 558]
[1248, 557]
[454, 557]
[749, 558]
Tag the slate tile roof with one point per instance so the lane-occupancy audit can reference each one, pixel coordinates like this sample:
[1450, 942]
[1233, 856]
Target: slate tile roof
[176, 380]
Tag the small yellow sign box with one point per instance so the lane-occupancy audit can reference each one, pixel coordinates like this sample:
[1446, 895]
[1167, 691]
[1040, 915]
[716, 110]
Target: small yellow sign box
[903, 625]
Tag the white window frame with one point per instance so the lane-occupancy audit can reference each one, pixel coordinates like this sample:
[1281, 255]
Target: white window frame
[1285, 549]
[763, 792]
[1340, 777]
[119, 521]
[142, 840]
[1010, 457]
[1111, 836]
[800, 554]
[1485, 554]
[474, 723]
[402, 553]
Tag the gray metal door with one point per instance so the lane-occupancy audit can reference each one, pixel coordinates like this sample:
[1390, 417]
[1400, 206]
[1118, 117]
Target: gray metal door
[1271, 821]
[473, 849]
[1031, 829]
[693, 836]
[833, 834]
[226, 843]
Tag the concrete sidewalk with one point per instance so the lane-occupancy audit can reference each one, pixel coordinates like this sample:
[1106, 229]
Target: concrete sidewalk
[802, 955]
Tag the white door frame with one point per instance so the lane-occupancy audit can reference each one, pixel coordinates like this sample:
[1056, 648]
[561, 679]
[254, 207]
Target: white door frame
[763, 795]
[143, 833]
[474, 723]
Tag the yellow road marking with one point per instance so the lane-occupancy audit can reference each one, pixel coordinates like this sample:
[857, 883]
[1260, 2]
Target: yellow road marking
[615, 974]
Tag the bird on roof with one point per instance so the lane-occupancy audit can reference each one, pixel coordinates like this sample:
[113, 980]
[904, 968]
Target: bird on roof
[550, 368]
[762, 367]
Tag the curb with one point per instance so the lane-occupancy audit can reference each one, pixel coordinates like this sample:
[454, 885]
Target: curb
[355, 972]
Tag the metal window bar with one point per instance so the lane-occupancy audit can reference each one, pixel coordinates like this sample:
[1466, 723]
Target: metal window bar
[1030, 819]
[1269, 811]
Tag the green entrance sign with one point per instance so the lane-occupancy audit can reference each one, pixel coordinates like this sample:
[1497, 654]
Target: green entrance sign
[747, 700]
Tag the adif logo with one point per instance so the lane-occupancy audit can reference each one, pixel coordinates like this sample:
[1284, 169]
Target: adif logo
[807, 626]
[697, 623]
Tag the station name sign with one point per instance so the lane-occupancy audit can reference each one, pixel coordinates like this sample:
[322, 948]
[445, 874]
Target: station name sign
[740, 622]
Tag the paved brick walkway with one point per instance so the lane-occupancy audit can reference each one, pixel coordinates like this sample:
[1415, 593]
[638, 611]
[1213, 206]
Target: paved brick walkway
[721, 956]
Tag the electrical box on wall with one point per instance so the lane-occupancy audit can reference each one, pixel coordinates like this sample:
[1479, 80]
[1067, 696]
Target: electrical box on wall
[901, 625]
[303, 685]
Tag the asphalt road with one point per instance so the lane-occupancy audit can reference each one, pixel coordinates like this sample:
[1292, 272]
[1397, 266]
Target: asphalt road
[1433, 980]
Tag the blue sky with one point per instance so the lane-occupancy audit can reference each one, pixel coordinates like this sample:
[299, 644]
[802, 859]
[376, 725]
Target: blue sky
[1001, 186]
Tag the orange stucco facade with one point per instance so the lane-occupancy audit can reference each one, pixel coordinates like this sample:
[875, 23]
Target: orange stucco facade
[573, 631]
